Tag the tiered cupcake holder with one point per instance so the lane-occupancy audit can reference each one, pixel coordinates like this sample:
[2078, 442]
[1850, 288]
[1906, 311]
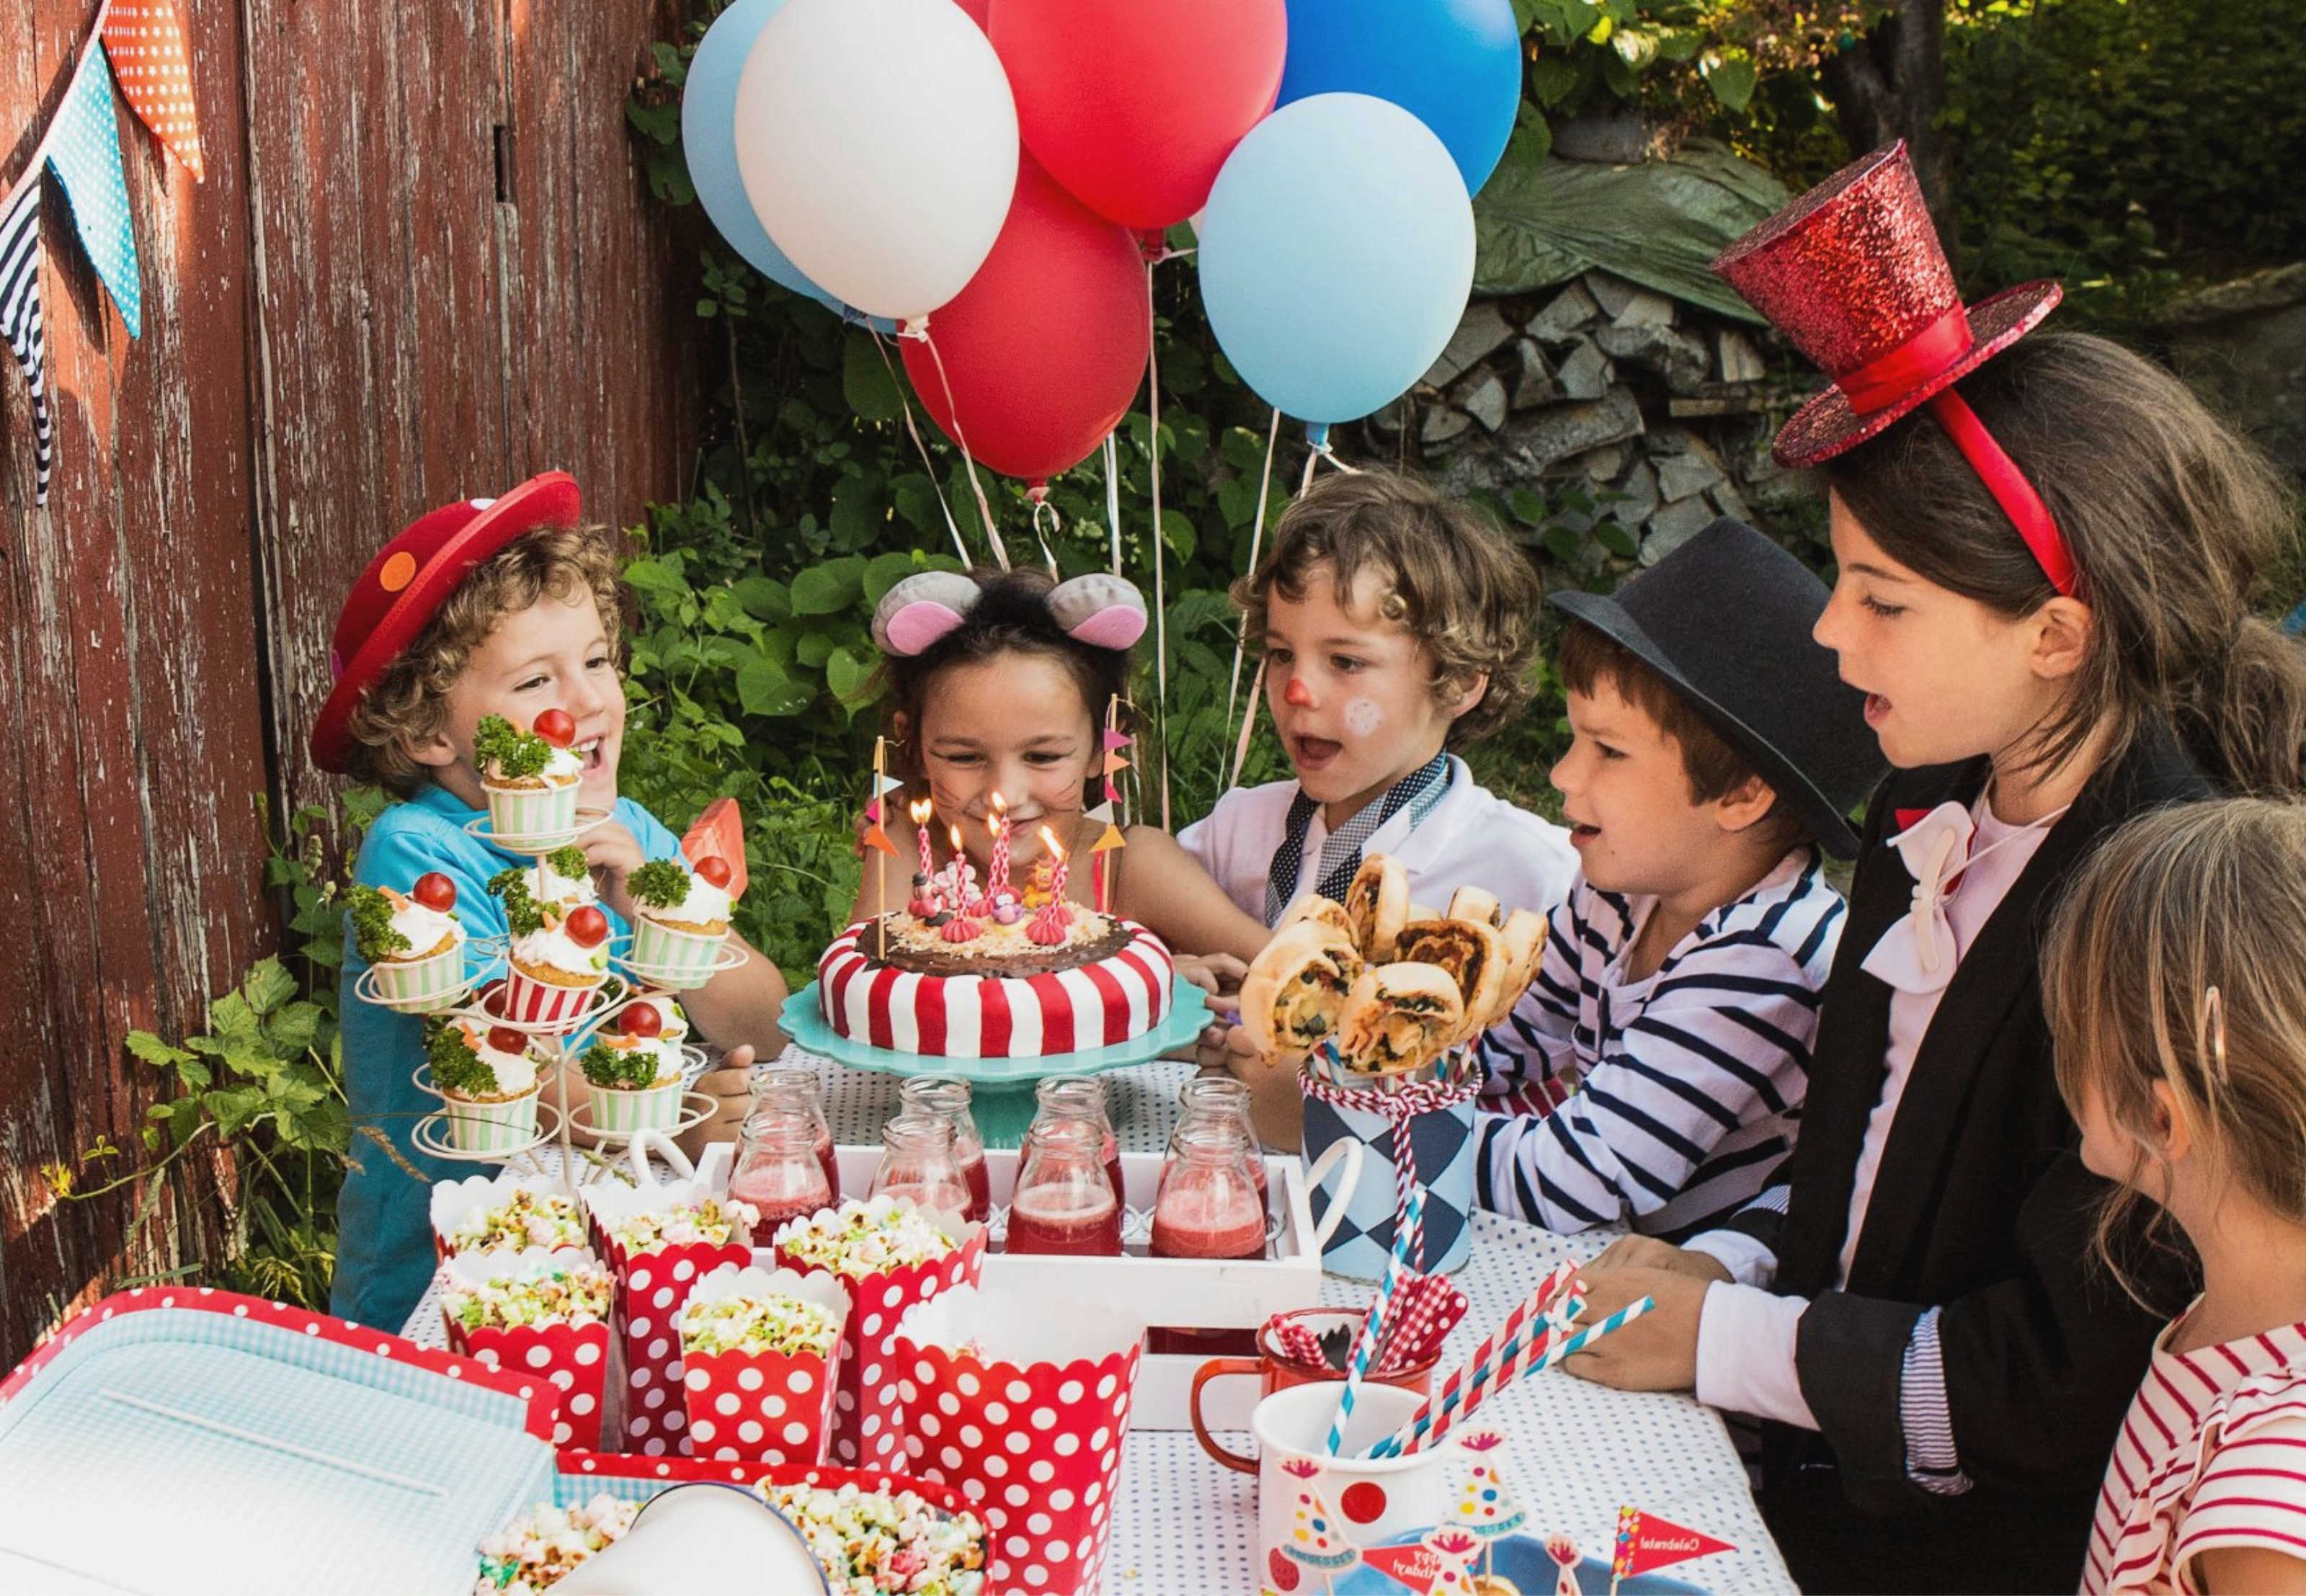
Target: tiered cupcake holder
[587, 818]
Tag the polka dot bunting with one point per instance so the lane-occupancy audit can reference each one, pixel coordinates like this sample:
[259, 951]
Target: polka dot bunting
[146, 44]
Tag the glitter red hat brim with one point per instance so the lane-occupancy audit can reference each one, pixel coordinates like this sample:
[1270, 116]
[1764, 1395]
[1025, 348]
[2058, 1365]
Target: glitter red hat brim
[1827, 426]
[550, 499]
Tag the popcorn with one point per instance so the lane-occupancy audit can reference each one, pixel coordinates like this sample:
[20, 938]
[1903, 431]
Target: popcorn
[878, 1543]
[574, 1293]
[530, 1219]
[542, 1547]
[711, 1223]
[864, 1237]
[793, 1326]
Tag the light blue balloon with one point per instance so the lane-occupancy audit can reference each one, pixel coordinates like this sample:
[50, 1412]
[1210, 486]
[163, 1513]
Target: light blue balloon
[1335, 255]
[708, 137]
[1453, 64]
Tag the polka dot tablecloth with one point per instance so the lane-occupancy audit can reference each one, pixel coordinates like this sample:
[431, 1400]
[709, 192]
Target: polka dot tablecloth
[1576, 1452]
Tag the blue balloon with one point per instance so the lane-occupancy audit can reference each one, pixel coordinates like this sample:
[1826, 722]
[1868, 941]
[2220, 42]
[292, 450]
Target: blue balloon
[1453, 64]
[1335, 255]
[708, 137]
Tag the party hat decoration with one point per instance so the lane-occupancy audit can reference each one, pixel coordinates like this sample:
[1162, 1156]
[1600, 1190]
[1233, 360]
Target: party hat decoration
[146, 47]
[1454, 1551]
[1563, 1550]
[83, 148]
[1487, 1506]
[1315, 1537]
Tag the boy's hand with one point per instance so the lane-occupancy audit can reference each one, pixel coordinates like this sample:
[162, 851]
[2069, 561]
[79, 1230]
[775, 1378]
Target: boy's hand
[1276, 1107]
[731, 1087]
[1647, 1252]
[1217, 974]
[1657, 1352]
[614, 852]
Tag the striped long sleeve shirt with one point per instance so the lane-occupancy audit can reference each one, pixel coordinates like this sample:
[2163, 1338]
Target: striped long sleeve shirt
[1677, 1093]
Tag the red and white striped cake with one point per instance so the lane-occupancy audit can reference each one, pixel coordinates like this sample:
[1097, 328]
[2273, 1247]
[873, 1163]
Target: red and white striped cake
[1002, 998]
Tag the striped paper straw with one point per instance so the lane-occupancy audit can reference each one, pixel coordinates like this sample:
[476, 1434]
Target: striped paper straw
[1496, 1362]
[1388, 1291]
[1432, 1423]
[1535, 1303]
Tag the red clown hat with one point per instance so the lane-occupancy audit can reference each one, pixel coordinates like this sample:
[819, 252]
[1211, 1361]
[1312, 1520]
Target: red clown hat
[1853, 273]
[408, 581]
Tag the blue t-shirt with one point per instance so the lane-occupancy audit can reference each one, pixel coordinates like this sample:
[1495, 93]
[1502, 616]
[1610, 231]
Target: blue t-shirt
[384, 1242]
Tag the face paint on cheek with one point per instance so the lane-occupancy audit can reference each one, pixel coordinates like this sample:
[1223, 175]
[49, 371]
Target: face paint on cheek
[1363, 717]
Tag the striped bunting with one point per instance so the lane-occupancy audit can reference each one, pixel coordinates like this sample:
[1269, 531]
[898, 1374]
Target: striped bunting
[19, 313]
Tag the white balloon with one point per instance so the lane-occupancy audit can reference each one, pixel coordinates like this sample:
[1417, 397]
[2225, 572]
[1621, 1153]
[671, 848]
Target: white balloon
[878, 141]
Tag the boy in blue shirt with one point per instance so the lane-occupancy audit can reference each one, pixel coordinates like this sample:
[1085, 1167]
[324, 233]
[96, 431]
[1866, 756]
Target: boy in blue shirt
[488, 607]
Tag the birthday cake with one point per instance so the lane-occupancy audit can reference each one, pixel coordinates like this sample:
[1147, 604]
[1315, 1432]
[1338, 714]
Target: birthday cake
[998, 976]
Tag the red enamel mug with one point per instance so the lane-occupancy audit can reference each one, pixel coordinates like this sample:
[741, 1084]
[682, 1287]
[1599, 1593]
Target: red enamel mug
[1275, 1370]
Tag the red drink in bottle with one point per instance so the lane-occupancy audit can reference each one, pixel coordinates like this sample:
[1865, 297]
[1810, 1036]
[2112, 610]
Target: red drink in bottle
[980, 1187]
[777, 1173]
[1057, 1221]
[1208, 1207]
[948, 1098]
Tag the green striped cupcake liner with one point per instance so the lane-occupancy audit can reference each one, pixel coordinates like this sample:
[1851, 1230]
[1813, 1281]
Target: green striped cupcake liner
[532, 814]
[421, 986]
[504, 1127]
[676, 961]
[618, 1113]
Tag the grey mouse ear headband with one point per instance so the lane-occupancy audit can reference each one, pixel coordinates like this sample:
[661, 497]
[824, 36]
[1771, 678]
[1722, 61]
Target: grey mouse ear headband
[1100, 610]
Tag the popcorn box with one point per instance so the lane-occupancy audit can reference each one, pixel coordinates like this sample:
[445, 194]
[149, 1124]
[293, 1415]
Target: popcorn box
[1021, 1401]
[677, 960]
[544, 816]
[652, 1286]
[527, 1000]
[774, 1406]
[573, 1357]
[455, 1202]
[868, 1416]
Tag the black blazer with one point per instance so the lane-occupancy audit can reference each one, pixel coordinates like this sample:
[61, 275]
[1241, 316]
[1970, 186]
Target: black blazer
[1981, 1208]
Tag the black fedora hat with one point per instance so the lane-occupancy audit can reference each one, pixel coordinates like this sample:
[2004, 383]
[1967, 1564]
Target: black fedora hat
[1726, 619]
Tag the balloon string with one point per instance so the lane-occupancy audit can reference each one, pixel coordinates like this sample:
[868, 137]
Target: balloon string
[927, 464]
[1248, 723]
[920, 329]
[1255, 545]
[1161, 601]
[1112, 495]
[1045, 522]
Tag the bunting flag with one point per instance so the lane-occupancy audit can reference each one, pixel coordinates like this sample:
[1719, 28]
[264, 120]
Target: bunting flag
[1646, 1541]
[146, 47]
[84, 150]
[20, 315]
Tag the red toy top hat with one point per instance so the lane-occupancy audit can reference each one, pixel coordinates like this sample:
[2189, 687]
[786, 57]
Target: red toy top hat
[1853, 273]
[409, 579]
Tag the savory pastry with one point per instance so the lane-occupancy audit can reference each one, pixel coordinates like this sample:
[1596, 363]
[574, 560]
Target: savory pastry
[1318, 910]
[1474, 957]
[1398, 1017]
[1295, 989]
[1524, 932]
[1472, 903]
[1378, 904]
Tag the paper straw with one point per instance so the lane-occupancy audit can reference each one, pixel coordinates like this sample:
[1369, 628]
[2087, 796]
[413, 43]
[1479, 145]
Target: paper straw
[1432, 1423]
[1380, 1307]
[1499, 1360]
[1537, 1303]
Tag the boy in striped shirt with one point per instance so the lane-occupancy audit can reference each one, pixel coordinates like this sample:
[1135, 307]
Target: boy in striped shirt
[1653, 1074]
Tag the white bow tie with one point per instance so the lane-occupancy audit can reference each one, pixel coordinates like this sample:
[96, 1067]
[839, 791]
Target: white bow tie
[1917, 954]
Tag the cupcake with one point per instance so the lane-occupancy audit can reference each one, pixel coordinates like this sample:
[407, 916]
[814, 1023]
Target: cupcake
[634, 1072]
[556, 960]
[414, 942]
[488, 1078]
[681, 919]
[530, 778]
[563, 880]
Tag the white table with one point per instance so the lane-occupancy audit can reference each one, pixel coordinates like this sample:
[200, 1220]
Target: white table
[1185, 1527]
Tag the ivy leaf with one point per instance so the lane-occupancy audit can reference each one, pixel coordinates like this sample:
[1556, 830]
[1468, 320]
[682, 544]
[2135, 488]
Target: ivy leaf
[153, 1051]
[829, 588]
[763, 688]
[1553, 79]
[231, 1019]
[1618, 537]
[813, 649]
[859, 510]
[763, 599]
[1732, 78]
[866, 380]
[1177, 532]
[848, 673]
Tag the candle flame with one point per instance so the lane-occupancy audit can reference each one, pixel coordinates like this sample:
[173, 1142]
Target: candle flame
[954, 833]
[999, 805]
[1049, 840]
[921, 811]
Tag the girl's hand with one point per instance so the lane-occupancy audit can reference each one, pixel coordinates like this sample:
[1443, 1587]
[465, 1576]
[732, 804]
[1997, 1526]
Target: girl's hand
[1276, 1107]
[1657, 1352]
[1647, 1252]
[614, 852]
[1217, 974]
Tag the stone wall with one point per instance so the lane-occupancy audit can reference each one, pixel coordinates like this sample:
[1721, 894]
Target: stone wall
[1660, 412]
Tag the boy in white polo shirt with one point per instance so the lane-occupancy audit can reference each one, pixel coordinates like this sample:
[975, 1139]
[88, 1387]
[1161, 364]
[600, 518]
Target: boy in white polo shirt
[1395, 624]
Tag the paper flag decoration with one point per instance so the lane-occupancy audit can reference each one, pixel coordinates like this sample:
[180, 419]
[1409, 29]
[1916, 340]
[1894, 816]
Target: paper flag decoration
[146, 47]
[1111, 840]
[1115, 741]
[877, 838]
[1103, 812]
[719, 832]
[1440, 1565]
[1113, 765]
[882, 786]
[1646, 1541]
[84, 150]
[20, 316]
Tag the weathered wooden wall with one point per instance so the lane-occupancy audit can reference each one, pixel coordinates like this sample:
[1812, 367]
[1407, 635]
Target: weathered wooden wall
[424, 265]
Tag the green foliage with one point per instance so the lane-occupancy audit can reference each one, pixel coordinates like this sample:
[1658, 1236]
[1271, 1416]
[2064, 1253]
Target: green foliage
[660, 884]
[371, 913]
[507, 753]
[615, 1069]
[456, 1066]
[569, 862]
[2126, 145]
[523, 915]
[259, 1092]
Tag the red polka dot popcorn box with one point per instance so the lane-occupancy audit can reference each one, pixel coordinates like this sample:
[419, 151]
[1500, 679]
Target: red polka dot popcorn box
[892, 1257]
[759, 1352]
[1021, 1401]
[504, 1213]
[660, 1240]
[539, 1313]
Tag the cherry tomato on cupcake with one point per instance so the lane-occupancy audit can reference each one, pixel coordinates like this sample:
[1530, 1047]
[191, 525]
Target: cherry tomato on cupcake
[642, 1020]
[589, 927]
[714, 871]
[435, 891]
[556, 726]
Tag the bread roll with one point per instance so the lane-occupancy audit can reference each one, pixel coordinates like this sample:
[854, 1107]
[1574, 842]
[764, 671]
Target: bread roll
[1398, 1017]
[1294, 994]
[1476, 958]
[1378, 903]
[1311, 907]
[1472, 903]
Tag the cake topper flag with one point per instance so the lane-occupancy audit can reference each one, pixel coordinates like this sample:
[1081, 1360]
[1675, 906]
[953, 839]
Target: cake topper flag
[1646, 1541]
[877, 835]
[1114, 742]
[1563, 1550]
[1316, 1539]
[718, 834]
[146, 47]
[1439, 1565]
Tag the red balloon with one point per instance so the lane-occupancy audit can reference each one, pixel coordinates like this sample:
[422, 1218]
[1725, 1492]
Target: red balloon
[1134, 107]
[977, 9]
[1043, 350]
